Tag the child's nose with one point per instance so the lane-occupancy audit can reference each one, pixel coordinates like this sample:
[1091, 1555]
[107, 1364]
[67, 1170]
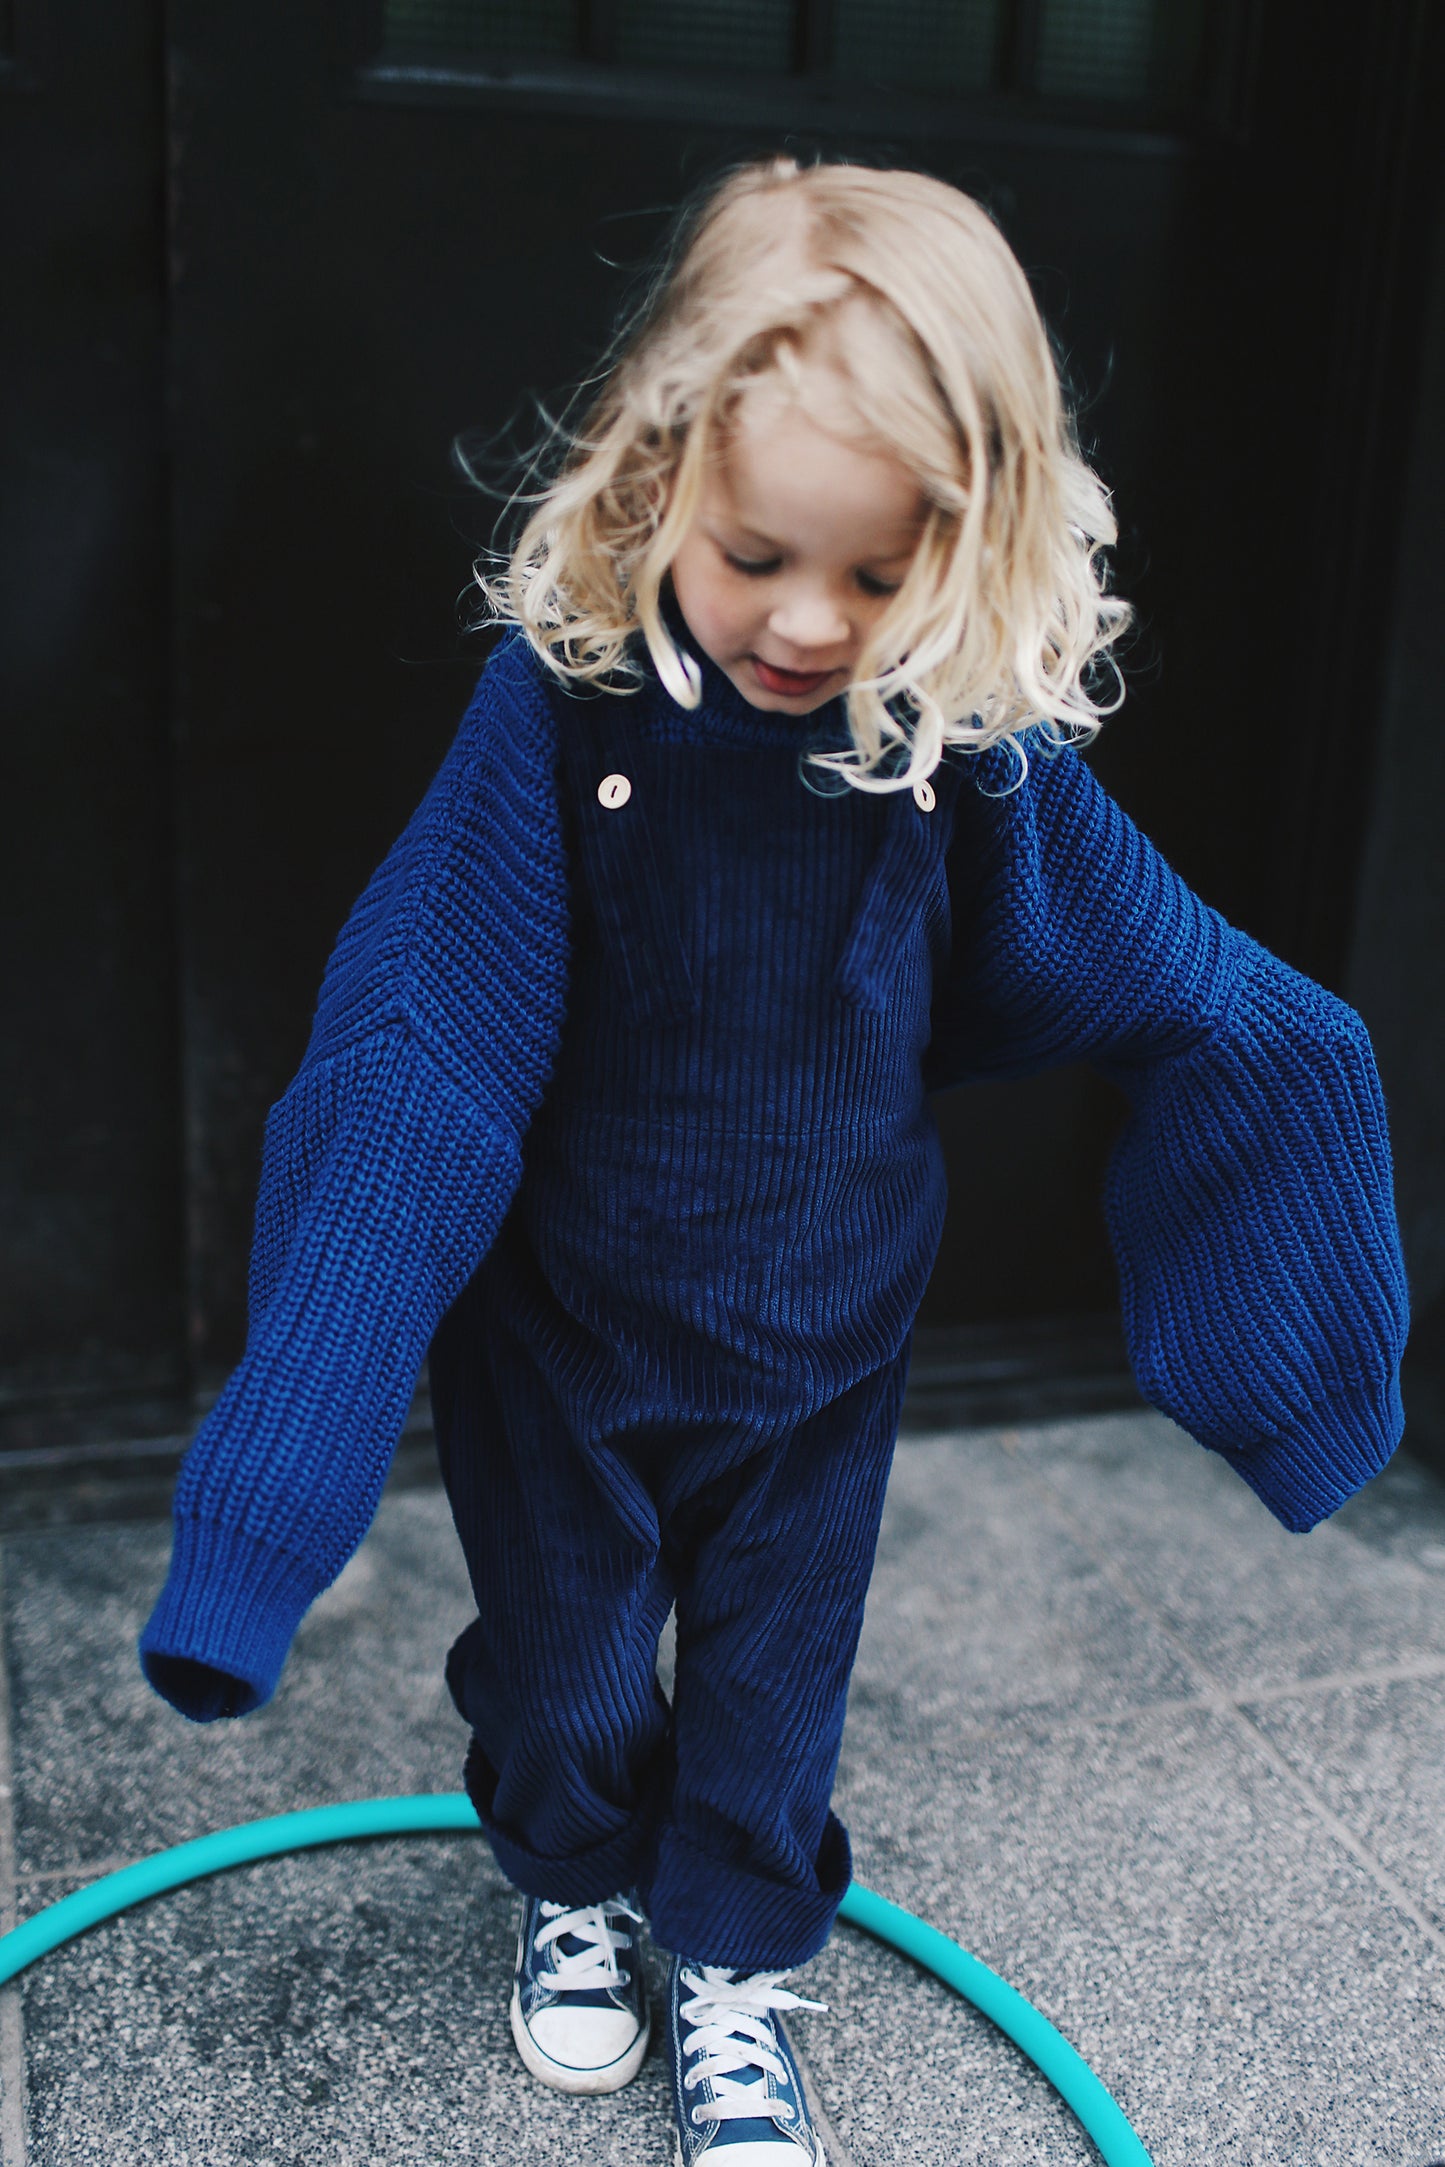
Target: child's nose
[809, 619]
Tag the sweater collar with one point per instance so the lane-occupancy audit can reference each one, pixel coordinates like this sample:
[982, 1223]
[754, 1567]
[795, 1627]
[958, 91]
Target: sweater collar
[722, 716]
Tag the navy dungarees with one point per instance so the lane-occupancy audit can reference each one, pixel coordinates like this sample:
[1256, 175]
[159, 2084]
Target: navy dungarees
[677, 1375]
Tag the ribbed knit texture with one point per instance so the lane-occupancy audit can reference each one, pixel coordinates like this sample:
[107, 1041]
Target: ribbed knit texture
[387, 1169]
[1251, 1211]
[1249, 1201]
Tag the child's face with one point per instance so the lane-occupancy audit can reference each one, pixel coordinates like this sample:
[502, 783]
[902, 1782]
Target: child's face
[800, 542]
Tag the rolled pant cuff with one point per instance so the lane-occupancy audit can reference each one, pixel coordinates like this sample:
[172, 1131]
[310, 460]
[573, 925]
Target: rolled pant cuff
[581, 1877]
[711, 1913]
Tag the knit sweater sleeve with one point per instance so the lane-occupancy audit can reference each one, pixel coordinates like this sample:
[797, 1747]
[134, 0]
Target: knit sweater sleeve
[387, 1168]
[1249, 1198]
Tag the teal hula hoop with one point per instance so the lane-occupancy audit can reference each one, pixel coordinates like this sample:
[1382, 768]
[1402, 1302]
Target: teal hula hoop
[452, 1813]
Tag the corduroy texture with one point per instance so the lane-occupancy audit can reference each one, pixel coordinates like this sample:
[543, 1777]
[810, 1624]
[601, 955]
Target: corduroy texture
[1249, 1203]
[582, 1778]
[679, 1371]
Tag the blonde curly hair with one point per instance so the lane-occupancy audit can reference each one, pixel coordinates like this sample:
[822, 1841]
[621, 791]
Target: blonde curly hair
[1003, 610]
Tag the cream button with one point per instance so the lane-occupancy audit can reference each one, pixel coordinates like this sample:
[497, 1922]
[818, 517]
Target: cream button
[613, 790]
[923, 797]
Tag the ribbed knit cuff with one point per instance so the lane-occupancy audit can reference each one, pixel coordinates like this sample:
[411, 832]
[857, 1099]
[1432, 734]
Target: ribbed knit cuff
[1305, 1479]
[216, 1640]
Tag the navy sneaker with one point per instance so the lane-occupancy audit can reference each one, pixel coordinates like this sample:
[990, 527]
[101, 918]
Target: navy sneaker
[736, 2090]
[579, 2017]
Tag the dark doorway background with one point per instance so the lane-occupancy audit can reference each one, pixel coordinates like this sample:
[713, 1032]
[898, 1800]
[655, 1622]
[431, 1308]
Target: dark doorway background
[264, 265]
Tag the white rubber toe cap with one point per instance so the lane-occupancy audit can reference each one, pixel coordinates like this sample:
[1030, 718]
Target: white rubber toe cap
[580, 2050]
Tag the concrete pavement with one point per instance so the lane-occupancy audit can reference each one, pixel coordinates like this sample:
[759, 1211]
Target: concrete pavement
[1178, 1775]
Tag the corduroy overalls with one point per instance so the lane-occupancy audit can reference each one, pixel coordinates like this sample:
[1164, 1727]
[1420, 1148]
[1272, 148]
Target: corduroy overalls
[677, 1375]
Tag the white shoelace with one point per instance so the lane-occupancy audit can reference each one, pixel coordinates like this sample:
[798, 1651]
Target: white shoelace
[574, 1971]
[730, 2032]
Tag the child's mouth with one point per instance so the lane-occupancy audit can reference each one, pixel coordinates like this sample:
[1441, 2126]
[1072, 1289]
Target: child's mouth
[788, 681]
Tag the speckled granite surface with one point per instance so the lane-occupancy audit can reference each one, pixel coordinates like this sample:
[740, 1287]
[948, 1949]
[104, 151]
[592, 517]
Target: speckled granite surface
[1179, 1776]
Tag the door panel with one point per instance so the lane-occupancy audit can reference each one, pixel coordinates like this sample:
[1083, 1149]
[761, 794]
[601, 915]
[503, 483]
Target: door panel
[415, 249]
[257, 282]
[92, 1257]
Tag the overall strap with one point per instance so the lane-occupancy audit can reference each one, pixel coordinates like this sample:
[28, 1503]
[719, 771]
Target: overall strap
[615, 780]
[907, 872]
[612, 783]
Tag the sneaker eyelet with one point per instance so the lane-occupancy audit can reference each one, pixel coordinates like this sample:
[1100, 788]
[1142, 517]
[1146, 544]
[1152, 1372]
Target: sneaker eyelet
[695, 2117]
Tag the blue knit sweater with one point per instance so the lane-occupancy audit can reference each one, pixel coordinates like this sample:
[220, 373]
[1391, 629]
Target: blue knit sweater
[1248, 1200]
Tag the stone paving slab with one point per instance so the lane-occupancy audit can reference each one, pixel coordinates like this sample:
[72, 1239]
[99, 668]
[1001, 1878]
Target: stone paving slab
[345, 2008]
[102, 1765]
[1375, 1754]
[1232, 1974]
[991, 1612]
[1175, 1773]
[1256, 1605]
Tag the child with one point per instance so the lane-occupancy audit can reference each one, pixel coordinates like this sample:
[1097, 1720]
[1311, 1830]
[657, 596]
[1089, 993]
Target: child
[765, 821]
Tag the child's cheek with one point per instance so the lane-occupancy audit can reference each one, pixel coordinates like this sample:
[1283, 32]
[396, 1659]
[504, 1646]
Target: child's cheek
[703, 604]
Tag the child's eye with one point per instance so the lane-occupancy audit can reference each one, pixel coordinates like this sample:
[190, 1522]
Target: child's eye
[873, 586]
[755, 568]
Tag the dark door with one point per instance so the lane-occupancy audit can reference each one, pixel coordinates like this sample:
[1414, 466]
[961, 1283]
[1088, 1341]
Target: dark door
[92, 1254]
[390, 223]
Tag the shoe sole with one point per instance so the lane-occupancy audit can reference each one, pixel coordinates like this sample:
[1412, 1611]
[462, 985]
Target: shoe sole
[580, 2082]
[819, 2158]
